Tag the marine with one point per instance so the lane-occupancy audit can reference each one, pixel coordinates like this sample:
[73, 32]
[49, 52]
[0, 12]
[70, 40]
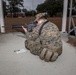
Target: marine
[44, 40]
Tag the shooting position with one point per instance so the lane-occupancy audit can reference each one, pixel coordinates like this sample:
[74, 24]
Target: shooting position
[44, 40]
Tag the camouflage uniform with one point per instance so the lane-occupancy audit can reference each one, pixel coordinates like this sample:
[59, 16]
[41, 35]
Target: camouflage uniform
[47, 45]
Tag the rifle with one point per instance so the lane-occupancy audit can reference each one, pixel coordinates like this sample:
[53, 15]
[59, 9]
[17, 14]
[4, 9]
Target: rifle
[29, 27]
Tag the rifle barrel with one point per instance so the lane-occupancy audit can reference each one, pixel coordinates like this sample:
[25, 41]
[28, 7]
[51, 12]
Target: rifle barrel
[18, 26]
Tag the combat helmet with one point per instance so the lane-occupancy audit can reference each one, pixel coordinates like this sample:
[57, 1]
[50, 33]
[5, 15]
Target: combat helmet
[41, 15]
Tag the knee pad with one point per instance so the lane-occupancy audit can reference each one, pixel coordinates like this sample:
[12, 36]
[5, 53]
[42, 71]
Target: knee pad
[43, 53]
[54, 56]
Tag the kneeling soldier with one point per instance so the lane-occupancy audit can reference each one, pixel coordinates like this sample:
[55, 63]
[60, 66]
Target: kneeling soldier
[44, 40]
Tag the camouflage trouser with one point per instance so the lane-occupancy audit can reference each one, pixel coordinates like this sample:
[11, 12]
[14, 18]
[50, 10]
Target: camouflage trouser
[33, 46]
[43, 52]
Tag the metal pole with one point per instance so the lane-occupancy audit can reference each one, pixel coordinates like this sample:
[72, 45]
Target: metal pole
[70, 16]
[1, 18]
[64, 15]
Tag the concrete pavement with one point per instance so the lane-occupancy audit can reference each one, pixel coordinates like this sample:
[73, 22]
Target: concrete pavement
[28, 64]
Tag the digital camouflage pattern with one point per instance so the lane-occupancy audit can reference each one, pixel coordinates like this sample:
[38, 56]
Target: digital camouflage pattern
[40, 15]
[48, 45]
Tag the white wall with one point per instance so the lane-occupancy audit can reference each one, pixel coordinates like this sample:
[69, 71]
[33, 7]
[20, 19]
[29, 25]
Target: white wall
[1, 19]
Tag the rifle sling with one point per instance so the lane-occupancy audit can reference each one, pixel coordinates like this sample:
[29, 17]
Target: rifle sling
[42, 27]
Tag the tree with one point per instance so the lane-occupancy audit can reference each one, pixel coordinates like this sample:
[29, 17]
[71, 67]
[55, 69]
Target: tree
[24, 10]
[4, 8]
[14, 5]
[30, 13]
[52, 7]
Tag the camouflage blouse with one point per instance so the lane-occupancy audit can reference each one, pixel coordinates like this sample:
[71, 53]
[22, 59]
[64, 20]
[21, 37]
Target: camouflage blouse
[49, 37]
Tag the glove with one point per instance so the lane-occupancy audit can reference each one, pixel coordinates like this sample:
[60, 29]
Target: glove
[49, 55]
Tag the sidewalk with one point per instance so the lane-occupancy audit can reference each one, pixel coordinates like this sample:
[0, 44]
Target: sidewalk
[28, 64]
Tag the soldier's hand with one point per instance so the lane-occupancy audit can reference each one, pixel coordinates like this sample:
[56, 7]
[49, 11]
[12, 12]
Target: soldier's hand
[24, 29]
